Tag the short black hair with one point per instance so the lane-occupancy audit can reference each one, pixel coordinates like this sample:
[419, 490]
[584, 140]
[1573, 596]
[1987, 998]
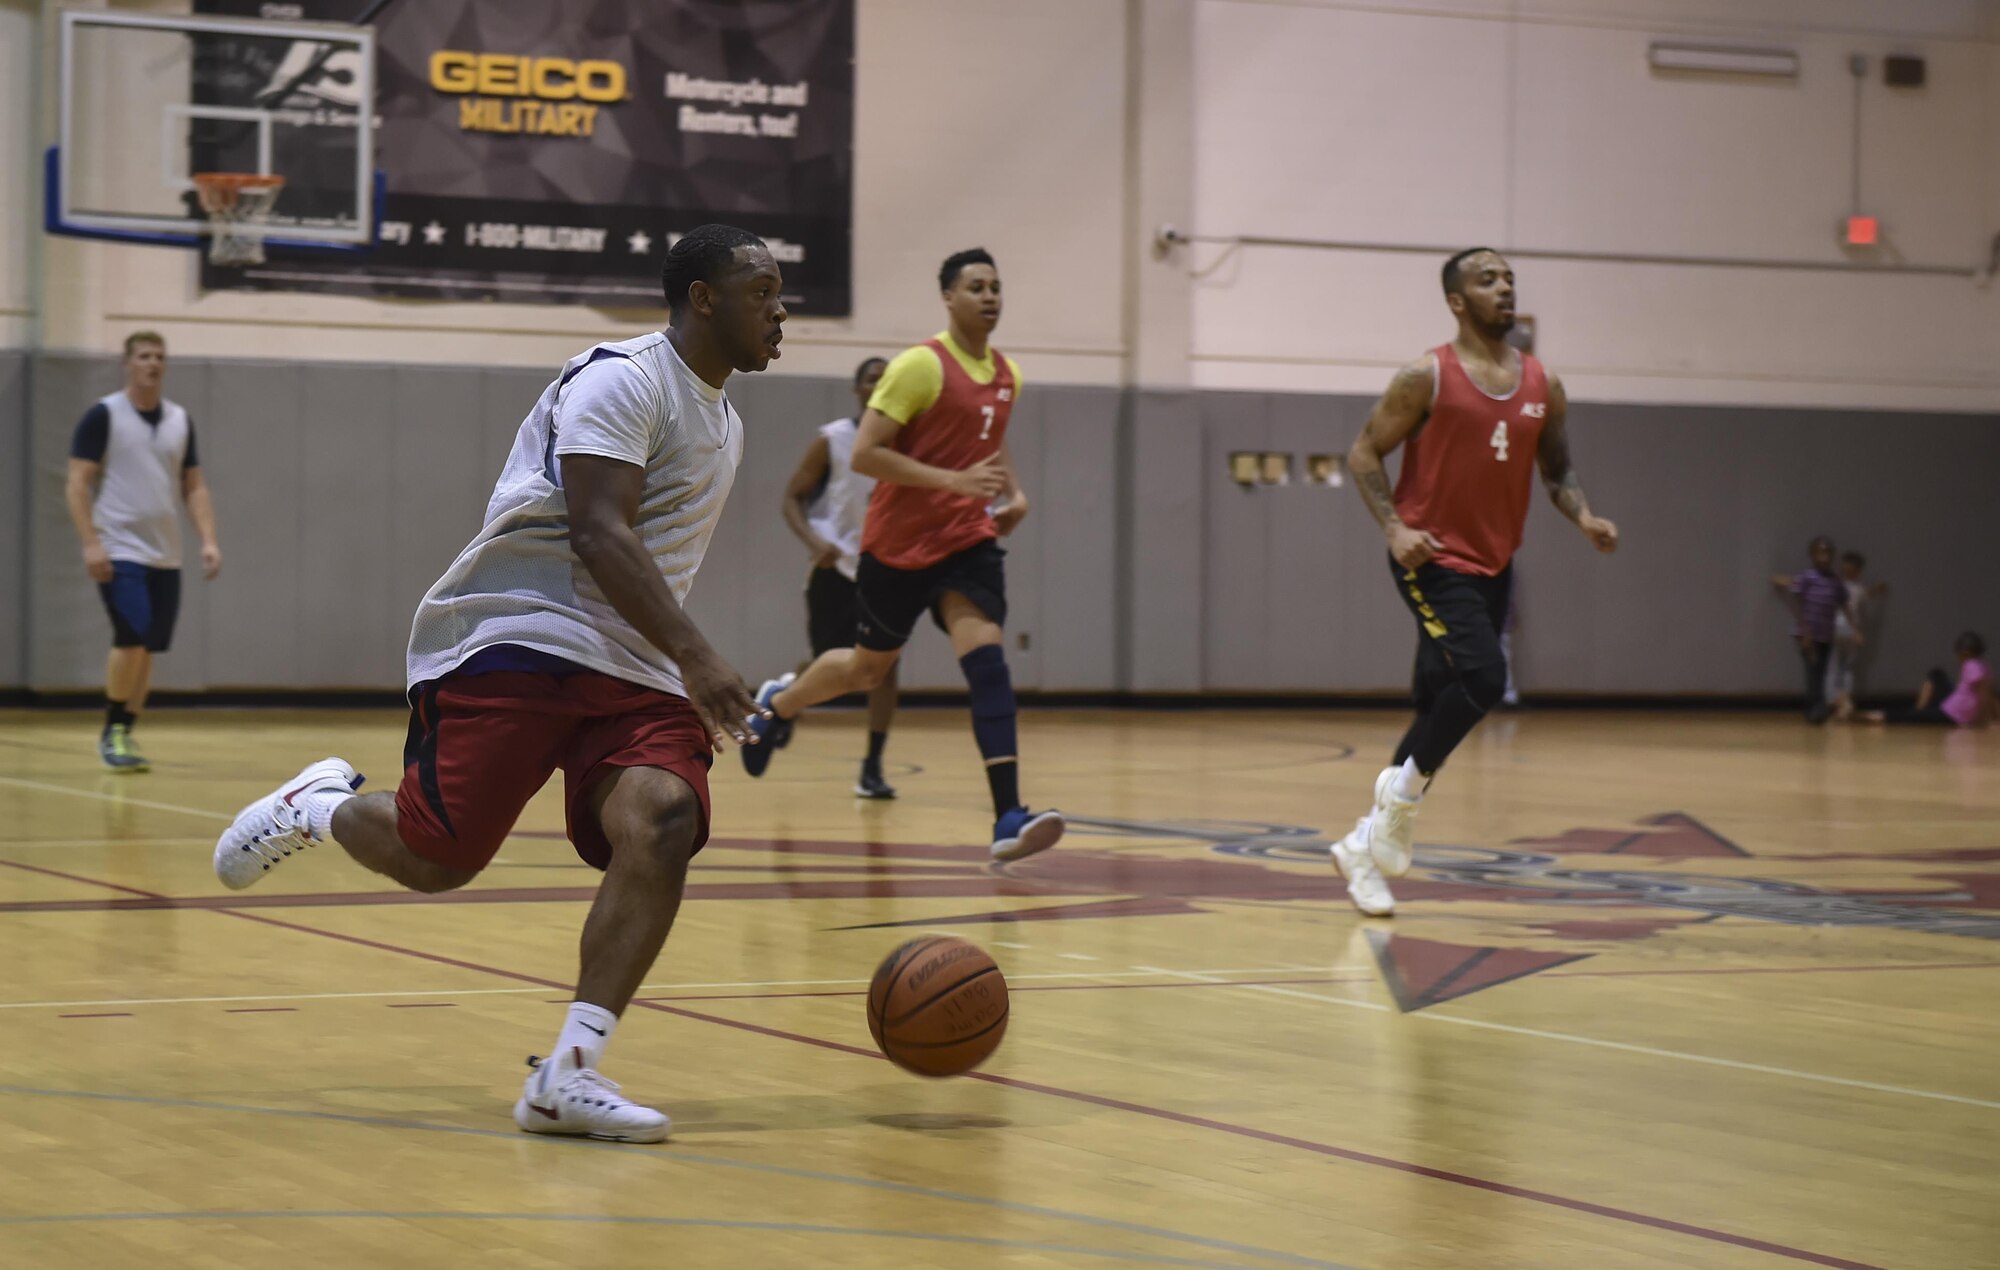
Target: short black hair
[1854, 558]
[1819, 540]
[1970, 643]
[1454, 269]
[700, 255]
[955, 264]
[861, 371]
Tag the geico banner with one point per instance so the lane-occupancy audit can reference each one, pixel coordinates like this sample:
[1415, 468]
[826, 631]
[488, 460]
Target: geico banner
[544, 151]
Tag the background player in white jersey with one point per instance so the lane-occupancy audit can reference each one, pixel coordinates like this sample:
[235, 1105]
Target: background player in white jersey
[826, 503]
[132, 463]
[557, 640]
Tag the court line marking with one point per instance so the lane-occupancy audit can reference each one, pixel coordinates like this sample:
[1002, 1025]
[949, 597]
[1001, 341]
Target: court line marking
[72, 844]
[644, 987]
[119, 800]
[1432, 1016]
[702, 1223]
[1149, 986]
[674, 1155]
[1325, 1149]
[1071, 1095]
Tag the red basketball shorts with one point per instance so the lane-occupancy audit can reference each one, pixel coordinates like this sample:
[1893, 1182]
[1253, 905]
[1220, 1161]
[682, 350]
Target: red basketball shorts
[482, 745]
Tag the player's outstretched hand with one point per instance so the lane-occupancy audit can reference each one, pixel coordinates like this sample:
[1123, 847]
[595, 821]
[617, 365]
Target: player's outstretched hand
[1602, 533]
[720, 697]
[1007, 517]
[983, 480]
[1412, 548]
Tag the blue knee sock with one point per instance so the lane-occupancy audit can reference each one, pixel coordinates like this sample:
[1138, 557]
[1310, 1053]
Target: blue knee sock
[992, 691]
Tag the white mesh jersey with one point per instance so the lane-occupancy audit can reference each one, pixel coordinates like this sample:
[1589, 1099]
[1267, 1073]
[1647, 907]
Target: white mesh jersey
[842, 507]
[136, 512]
[520, 583]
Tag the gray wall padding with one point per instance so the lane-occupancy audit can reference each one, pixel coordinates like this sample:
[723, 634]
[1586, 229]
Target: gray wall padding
[343, 490]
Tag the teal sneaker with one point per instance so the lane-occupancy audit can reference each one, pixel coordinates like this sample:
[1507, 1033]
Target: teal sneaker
[115, 748]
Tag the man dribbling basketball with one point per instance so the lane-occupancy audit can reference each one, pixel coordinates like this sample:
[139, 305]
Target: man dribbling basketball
[557, 640]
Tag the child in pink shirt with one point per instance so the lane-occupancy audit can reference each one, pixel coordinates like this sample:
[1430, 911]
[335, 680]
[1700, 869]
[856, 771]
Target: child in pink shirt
[1967, 704]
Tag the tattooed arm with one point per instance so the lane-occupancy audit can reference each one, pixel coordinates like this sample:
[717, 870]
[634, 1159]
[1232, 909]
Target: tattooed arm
[1564, 486]
[1401, 411]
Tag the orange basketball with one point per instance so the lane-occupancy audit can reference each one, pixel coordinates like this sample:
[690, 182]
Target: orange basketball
[938, 1006]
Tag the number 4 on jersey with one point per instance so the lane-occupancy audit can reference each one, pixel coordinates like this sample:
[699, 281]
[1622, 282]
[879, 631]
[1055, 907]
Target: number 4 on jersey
[1499, 442]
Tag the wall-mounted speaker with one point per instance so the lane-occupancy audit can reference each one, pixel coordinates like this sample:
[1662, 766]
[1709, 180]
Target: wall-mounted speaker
[1903, 71]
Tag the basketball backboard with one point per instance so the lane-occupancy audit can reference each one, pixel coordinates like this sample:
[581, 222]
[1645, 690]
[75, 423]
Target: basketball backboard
[150, 100]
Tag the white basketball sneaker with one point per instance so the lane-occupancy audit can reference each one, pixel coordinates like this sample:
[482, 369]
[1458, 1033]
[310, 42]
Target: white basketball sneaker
[273, 829]
[1392, 825]
[565, 1097]
[1364, 881]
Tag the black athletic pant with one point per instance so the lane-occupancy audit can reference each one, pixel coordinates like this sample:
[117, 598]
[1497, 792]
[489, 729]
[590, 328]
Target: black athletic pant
[1939, 684]
[1815, 656]
[1461, 672]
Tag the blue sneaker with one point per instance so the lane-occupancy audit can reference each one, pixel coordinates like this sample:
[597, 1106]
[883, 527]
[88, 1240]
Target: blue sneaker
[1022, 833]
[772, 734]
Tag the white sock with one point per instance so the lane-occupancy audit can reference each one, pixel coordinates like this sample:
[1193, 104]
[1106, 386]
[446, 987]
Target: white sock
[320, 806]
[588, 1028]
[1409, 781]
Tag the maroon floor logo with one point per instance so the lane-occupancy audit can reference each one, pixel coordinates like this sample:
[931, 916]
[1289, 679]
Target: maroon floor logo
[1571, 896]
[1611, 905]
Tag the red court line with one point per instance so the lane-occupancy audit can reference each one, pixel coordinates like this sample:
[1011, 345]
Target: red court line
[147, 901]
[1099, 1100]
[115, 1014]
[265, 1009]
[1770, 970]
[951, 886]
[71, 877]
[1327, 1149]
[423, 1005]
[1011, 988]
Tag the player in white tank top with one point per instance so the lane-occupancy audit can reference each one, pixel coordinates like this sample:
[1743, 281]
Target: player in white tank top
[841, 509]
[133, 465]
[826, 505]
[556, 641]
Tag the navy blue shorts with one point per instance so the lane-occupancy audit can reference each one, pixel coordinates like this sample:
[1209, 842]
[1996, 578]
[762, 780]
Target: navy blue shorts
[143, 603]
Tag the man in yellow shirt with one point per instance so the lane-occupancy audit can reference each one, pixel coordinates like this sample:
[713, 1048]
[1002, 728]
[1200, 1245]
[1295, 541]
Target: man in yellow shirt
[934, 437]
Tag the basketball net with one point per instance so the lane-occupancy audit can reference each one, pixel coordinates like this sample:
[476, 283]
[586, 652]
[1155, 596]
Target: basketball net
[238, 205]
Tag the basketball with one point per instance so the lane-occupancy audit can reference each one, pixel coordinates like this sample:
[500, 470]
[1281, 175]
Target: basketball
[938, 1006]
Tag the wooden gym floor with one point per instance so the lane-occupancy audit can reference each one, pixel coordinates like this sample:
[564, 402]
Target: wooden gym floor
[1664, 991]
